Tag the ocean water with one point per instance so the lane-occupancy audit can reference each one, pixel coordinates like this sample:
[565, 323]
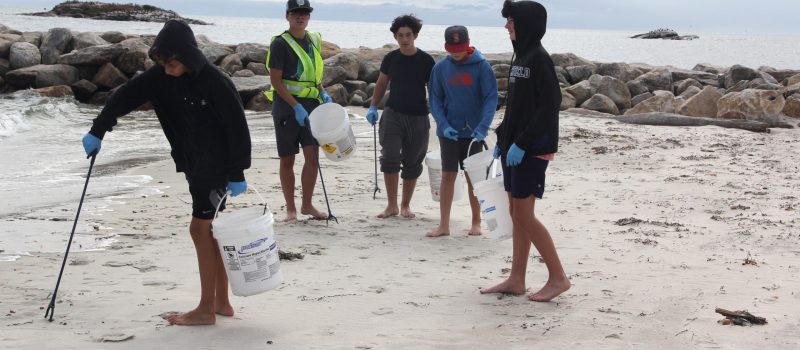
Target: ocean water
[43, 166]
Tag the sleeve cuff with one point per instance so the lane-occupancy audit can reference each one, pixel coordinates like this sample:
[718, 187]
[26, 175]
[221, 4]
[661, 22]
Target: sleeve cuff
[236, 176]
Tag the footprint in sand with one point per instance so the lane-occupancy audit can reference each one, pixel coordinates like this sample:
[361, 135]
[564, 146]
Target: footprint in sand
[383, 311]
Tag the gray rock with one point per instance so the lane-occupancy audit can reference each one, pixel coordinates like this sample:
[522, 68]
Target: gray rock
[244, 73]
[501, 70]
[639, 98]
[87, 72]
[621, 71]
[354, 85]
[370, 90]
[54, 43]
[338, 93]
[702, 104]
[681, 86]
[5, 48]
[257, 68]
[356, 100]
[581, 91]
[252, 52]
[5, 66]
[502, 84]
[791, 109]
[259, 102]
[55, 91]
[368, 71]
[739, 86]
[134, 57]
[738, 73]
[4, 29]
[567, 100]
[347, 61]
[333, 75]
[760, 84]
[600, 103]
[750, 104]
[24, 54]
[42, 75]
[83, 90]
[569, 60]
[689, 92]
[657, 79]
[34, 38]
[113, 37]
[250, 86]
[561, 75]
[87, 39]
[99, 98]
[577, 74]
[231, 64]
[708, 68]
[782, 74]
[636, 88]
[109, 77]
[215, 53]
[92, 56]
[701, 77]
[612, 88]
[665, 102]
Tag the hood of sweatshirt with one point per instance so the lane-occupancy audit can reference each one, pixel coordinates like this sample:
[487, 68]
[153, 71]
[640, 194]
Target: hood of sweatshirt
[474, 57]
[176, 39]
[530, 23]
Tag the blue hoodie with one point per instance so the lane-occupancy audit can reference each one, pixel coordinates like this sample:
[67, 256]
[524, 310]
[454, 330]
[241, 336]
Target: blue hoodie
[463, 95]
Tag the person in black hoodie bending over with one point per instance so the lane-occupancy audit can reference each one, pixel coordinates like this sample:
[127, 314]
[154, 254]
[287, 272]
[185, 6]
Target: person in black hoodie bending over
[203, 119]
[527, 139]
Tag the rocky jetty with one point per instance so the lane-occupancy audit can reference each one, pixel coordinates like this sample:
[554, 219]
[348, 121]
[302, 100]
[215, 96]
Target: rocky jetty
[89, 66]
[114, 12]
[664, 33]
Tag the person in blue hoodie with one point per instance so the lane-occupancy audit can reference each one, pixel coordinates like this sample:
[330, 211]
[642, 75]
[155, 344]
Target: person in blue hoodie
[527, 140]
[203, 120]
[463, 98]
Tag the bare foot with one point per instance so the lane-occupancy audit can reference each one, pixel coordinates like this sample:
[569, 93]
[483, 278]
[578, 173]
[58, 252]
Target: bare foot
[389, 212]
[438, 232]
[290, 216]
[407, 213]
[191, 318]
[507, 287]
[475, 230]
[551, 290]
[310, 210]
[225, 310]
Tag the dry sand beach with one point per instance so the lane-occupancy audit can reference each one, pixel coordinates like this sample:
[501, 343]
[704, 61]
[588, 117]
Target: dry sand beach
[656, 227]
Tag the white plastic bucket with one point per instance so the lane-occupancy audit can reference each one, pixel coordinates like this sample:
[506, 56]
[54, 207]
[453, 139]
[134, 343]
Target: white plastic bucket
[495, 211]
[433, 160]
[477, 165]
[249, 251]
[331, 127]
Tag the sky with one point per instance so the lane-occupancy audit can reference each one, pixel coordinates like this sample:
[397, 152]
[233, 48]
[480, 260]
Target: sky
[684, 16]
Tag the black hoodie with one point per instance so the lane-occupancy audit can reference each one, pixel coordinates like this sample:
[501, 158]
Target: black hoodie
[200, 112]
[534, 95]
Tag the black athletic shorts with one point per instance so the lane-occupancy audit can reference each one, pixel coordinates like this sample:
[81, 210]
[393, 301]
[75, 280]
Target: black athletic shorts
[454, 152]
[525, 179]
[205, 198]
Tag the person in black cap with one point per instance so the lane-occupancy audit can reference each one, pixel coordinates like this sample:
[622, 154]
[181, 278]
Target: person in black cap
[204, 121]
[527, 140]
[295, 68]
[463, 95]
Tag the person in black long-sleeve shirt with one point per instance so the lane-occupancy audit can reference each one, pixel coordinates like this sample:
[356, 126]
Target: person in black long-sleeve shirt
[203, 119]
[527, 140]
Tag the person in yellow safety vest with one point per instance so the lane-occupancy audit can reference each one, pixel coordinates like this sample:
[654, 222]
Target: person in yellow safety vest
[295, 70]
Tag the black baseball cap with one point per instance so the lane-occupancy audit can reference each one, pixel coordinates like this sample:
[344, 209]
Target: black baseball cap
[456, 39]
[292, 5]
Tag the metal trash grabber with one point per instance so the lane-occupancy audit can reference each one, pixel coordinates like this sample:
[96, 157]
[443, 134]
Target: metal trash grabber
[375, 155]
[51, 308]
[324, 191]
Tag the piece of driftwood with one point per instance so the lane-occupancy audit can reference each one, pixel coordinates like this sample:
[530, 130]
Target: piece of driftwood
[741, 318]
[671, 119]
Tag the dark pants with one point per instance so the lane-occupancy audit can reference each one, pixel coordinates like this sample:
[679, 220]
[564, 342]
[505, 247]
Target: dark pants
[404, 143]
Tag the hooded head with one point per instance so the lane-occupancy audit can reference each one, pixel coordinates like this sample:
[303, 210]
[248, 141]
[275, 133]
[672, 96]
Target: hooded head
[176, 40]
[530, 22]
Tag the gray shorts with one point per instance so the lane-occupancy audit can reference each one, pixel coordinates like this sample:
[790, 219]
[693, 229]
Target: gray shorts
[454, 152]
[404, 143]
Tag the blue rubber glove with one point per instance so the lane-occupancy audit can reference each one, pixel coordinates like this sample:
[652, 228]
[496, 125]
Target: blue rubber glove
[496, 153]
[514, 156]
[325, 97]
[237, 188]
[451, 133]
[478, 136]
[300, 114]
[372, 115]
[91, 144]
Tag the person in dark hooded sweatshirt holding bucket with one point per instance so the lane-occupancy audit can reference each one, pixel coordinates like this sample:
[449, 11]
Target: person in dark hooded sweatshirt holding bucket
[527, 140]
[203, 119]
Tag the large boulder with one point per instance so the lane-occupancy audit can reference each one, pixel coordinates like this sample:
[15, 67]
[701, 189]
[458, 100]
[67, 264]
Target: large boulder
[250, 86]
[569, 59]
[600, 103]
[338, 94]
[702, 104]
[567, 100]
[83, 90]
[252, 52]
[581, 91]
[231, 64]
[23, 55]
[637, 87]
[92, 56]
[681, 86]
[501, 70]
[656, 79]
[55, 91]
[368, 71]
[612, 88]
[329, 50]
[87, 39]
[620, 71]
[792, 107]
[34, 38]
[502, 84]
[750, 104]
[5, 66]
[244, 73]
[109, 77]
[795, 79]
[635, 100]
[657, 103]
[333, 75]
[354, 85]
[5, 48]
[561, 75]
[577, 74]
[113, 37]
[738, 73]
[257, 68]
[215, 53]
[761, 84]
[708, 68]
[704, 78]
[134, 57]
[690, 91]
[347, 61]
[779, 74]
[54, 43]
[259, 102]
[42, 75]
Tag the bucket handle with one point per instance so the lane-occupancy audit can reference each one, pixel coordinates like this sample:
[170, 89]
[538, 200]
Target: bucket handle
[489, 169]
[469, 148]
[248, 187]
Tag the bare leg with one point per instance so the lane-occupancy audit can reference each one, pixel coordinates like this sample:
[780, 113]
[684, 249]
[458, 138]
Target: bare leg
[208, 263]
[287, 185]
[557, 281]
[309, 179]
[445, 203]
[391, 181]
[222, 302]
[515, 284]
[408, 192]
[475, 207]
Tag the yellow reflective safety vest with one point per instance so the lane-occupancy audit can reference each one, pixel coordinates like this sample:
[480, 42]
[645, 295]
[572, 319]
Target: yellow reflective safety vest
[307, 84]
